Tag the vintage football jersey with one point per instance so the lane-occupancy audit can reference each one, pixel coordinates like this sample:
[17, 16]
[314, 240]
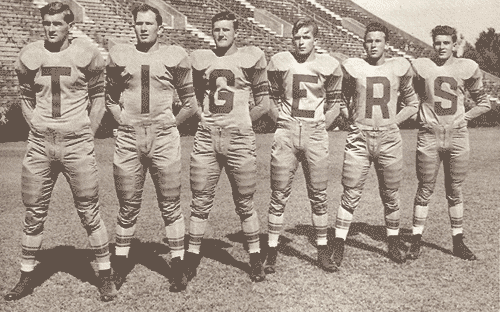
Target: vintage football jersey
[304, 91]
[442, 91]
[224, 85]
[143, 84]
[371, 92]
[59, 84]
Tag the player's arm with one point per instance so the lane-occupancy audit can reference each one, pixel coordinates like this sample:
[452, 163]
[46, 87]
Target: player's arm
[95, 84]
[348, 90]
[476, 90]
[114, 89]
[276, 91]
[260, 89]
[408, 96]
[28, 98]
[334, 103]
[183, 82]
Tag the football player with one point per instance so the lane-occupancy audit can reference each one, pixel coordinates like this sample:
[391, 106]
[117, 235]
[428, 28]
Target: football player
[141, 81]
[441, 83]
[306, 91]
[62, 90]
[371, 87]
[224, 80]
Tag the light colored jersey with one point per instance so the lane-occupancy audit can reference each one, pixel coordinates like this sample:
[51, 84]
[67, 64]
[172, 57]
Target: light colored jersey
[371, 92]
[442, 90]
[59, 84]
[147, 82]
[224, 85]
[305, 91]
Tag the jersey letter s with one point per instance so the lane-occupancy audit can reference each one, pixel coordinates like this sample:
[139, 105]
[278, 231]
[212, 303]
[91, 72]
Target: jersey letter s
[298, 93]
[439, 92]
[223, 94]
[371, 100]
[55, 74]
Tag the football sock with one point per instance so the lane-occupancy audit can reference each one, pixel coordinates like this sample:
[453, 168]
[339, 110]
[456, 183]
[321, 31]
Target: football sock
[275, 225]
[343, 222]
[30, 245]
[250, 227]
[419, 217]
[175, 237]
[320, 223]
[392, 221]
[457, 218]
[123, 240]
[99, 243]
[197, 228]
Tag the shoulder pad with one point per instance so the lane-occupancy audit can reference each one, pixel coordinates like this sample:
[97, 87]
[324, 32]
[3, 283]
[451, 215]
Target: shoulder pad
[121, 54]
[400, 65]
[172, 54]
[328, 63]
[467, 67]
[281, 61]
[201, 59]
[84, 52]
[354, 66]
[421, 64]
[31, 55]
[254, 57]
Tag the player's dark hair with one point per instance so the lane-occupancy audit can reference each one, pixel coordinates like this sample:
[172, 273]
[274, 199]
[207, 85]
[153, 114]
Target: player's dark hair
[143, 7]
[305, 22]
[225, 16]
[54, 8]
[444, 30]
[377, 27]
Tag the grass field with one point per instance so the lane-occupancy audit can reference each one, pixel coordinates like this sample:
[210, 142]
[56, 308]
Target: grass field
[367, 281]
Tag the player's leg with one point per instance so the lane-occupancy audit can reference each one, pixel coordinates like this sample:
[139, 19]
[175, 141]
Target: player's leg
[283, 167]
[355, 169]
[205, 171]
[242, 173]
[389, 167]
[455, 171]
[38, 181]
[428, 161]
[166, 174]
[80, 170]
[315, 167]
[129, 174]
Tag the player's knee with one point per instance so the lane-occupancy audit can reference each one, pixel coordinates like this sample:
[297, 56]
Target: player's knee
[318, 200]
[244, 204]
[171, 210]
[454, 196]
[424, 194]
[127, 215]
[202, 203]
[278, 202]
[92, 223]
[34, 221]
[390, 198]
[350, 198]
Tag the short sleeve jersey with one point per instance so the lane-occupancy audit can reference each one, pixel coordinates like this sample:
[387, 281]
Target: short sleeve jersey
[304, 91]
[62, 82]
[374, 90]
[442, 89]
[147, 82]
[224, 85]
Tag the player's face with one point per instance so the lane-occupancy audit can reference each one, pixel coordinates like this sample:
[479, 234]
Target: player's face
[443, 45]
[304, 40]
[375, 44]
[224, 33]
[55, 27]
[146, 27]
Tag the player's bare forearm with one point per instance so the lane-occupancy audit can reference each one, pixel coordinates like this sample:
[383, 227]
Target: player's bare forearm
[261, 107]
[189, 109]
[97, 108]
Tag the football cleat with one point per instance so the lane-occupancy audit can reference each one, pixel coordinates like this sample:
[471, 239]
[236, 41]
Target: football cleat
[272, 254]
[192, 261]
[23, 288]
[179, 279]
[325, 259]
[338, 250]
[394, 252]
[107, 287]
[416, 243]
[120, 266]
[461, 250]
[256, 268]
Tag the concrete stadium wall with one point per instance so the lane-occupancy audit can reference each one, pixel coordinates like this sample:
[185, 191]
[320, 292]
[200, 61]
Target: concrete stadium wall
[279, 26]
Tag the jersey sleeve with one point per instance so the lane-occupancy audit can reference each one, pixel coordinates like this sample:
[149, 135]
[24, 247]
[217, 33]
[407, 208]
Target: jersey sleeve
[114, 83]
[183, 83]
[408, 96]
[26, 78]
[276, 89]
[260, 86]
[333, 87]
[476, 89]
[348, 86]
[96, 76]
